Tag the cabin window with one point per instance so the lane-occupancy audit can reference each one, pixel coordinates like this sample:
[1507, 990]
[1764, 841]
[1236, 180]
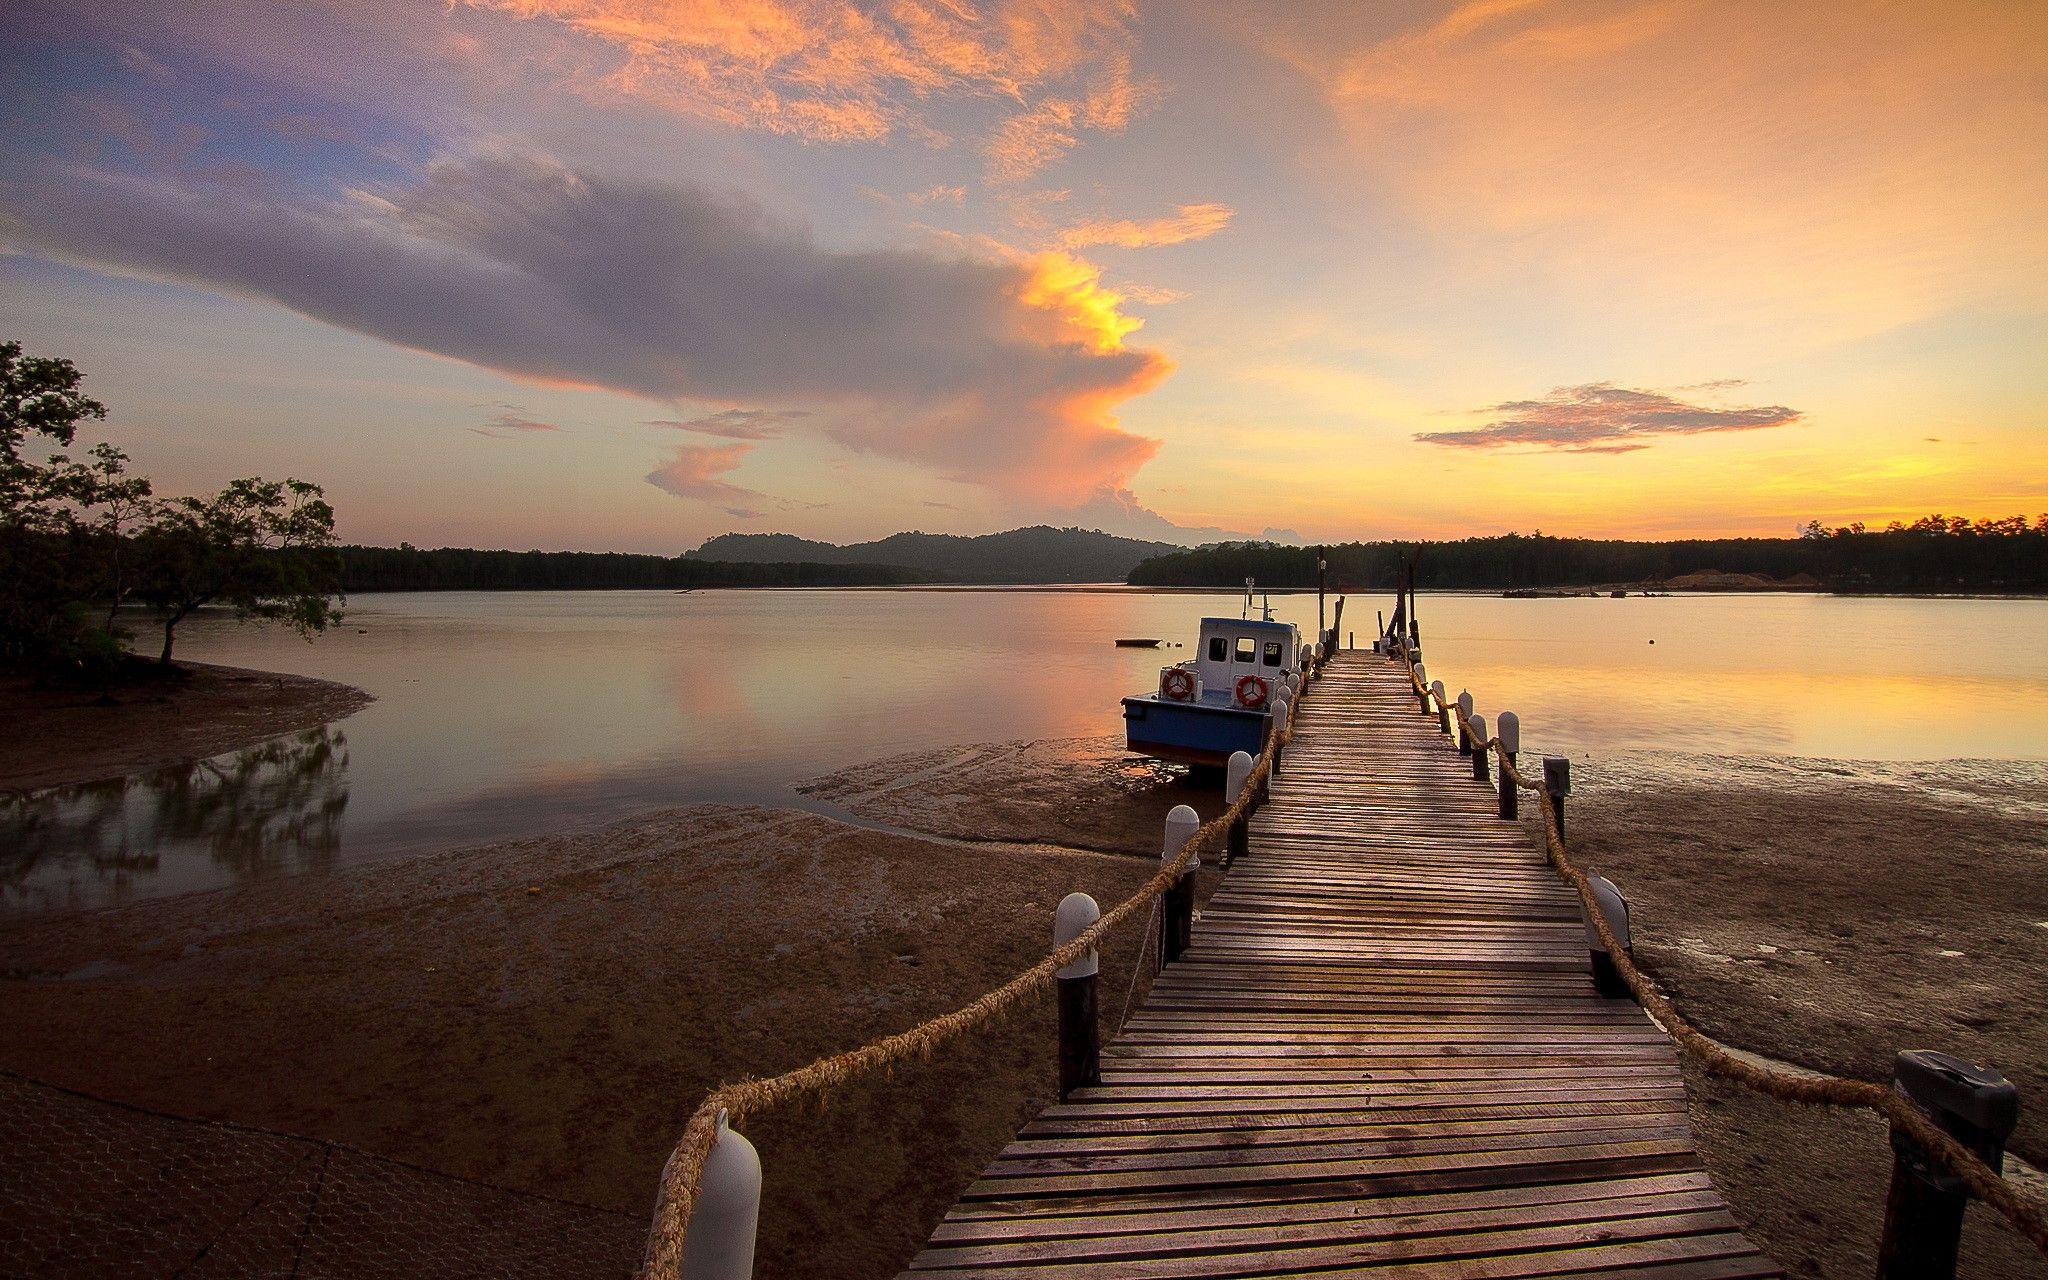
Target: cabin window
[1247, 649]
[1272, 653]
[1219, 649]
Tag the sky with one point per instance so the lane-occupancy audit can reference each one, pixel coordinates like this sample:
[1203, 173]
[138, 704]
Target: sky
[626, 274]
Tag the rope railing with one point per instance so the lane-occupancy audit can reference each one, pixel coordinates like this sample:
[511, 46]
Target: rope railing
[2026, 1213]
[682, 1175]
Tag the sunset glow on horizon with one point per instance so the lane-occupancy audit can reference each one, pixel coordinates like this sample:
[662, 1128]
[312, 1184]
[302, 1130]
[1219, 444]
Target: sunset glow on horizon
[625, 274]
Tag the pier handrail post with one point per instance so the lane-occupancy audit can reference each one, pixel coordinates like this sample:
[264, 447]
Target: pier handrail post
[1236, 774]
[1923, 1211]
[1080, 1031]
[1607, 979]
[1509, 731]
[719, 1241]
[1282, 704]
[1477, 752]
[1421, 678]
[1177, 905]
[1443, 706]
[1557, 782]
[1464, 738]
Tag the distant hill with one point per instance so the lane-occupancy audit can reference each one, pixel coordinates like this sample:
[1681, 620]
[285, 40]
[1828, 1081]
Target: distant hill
[1037, 554]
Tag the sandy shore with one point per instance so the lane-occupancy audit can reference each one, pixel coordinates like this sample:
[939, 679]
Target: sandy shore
[542, 1014]
[1828, 914]
[58, 737]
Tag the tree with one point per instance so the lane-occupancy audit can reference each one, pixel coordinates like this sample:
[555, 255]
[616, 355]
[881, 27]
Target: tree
[264, 548]
[43, 550]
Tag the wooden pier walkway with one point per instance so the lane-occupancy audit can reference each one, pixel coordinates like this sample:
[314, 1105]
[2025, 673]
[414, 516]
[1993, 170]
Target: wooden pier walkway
[1382, 1056]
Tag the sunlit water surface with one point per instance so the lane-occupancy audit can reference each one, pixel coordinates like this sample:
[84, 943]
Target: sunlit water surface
[522, 713]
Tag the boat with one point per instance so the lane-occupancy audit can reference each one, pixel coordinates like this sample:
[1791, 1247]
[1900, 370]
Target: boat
[1141, 642]
[1219, 701]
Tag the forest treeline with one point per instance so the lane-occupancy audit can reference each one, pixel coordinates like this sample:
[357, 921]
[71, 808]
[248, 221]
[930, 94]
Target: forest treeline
[1934, 554]
[409, 568]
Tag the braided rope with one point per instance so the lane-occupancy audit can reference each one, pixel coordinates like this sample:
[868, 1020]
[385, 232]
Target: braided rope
[2027, 1214]
[682, 1175]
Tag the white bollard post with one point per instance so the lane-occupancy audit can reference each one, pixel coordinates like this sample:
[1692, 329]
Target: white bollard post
[1607, 979]
[1080, 1043]
[1478, 752]
[1237, 774]
[1464, 705]
[1177, 905]
[1422, 678]
[1443, 706]
[727, 1216]
[1509, 731]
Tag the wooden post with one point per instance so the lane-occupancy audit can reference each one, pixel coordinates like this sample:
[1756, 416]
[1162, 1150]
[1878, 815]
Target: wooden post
[1282, 705]
[1177, 905]
[1557, 780]
[1422, 678]
[1235, 775]
[1923, 1211]
[1464, 738]
[1443, 706]
[1478, 754]
[1322, 566]
[1509, 731]
[1606, 978]
[719, 1243]
[1080, 1032]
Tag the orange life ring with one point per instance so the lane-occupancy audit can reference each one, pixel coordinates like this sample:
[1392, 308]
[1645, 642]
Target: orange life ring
[1178, 684]
[1251, 692]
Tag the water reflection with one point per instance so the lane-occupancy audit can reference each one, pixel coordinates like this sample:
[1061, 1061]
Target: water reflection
[268, 809]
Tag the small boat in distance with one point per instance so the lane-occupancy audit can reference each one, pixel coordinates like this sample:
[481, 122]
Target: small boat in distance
[1220, 700]
[1146, 642]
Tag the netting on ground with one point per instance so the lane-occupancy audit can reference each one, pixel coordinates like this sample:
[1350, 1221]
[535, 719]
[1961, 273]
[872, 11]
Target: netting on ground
[91, 1189]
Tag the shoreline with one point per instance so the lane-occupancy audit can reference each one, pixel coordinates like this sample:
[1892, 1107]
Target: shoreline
[69, 737]
[542, 1013]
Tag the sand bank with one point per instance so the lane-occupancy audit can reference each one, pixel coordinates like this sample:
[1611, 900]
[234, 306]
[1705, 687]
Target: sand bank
[58, 737]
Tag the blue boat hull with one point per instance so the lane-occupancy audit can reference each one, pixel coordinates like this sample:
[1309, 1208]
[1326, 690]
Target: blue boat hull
[1191, 732]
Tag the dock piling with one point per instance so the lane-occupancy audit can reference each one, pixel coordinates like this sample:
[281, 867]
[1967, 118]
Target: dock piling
[1236, 775]
[1177, 905]
[1557, 783]
[1464, 738]
[1477, 752]
[1509, 731]
[1607, 979]
[719, 1242]
[1080, 1048]
[1923, 1211]
[1443, 706]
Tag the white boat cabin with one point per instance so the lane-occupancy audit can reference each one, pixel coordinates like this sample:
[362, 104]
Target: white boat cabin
[1236, 647]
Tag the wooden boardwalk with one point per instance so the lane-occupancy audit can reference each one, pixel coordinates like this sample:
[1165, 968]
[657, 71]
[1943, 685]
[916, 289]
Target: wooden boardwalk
[1382, 1056]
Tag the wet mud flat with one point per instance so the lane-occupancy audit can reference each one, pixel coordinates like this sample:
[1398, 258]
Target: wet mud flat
[58, 737]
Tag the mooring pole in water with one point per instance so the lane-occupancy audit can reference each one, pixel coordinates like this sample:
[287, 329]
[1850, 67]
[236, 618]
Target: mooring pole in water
[1923, 1211]
[1464, 738]
[1177, 905]
[1606, 978]
[719, 1243]
[1443, 707]
[1236, 775]
[1080, 1034]
[1557, 782]
[1509, 731]
[1478, 752]
[1322, 568]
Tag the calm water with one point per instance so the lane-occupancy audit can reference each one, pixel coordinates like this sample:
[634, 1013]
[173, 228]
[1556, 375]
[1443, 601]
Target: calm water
[512, 714]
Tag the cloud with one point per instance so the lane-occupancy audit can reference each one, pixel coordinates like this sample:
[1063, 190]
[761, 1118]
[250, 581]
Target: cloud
[1600, 417]
[697, 471]
[511, 421]
[1004, 372]
[938, 195]
[1191, 222]
[835, 71]
[738, 424]
[1153, 295]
